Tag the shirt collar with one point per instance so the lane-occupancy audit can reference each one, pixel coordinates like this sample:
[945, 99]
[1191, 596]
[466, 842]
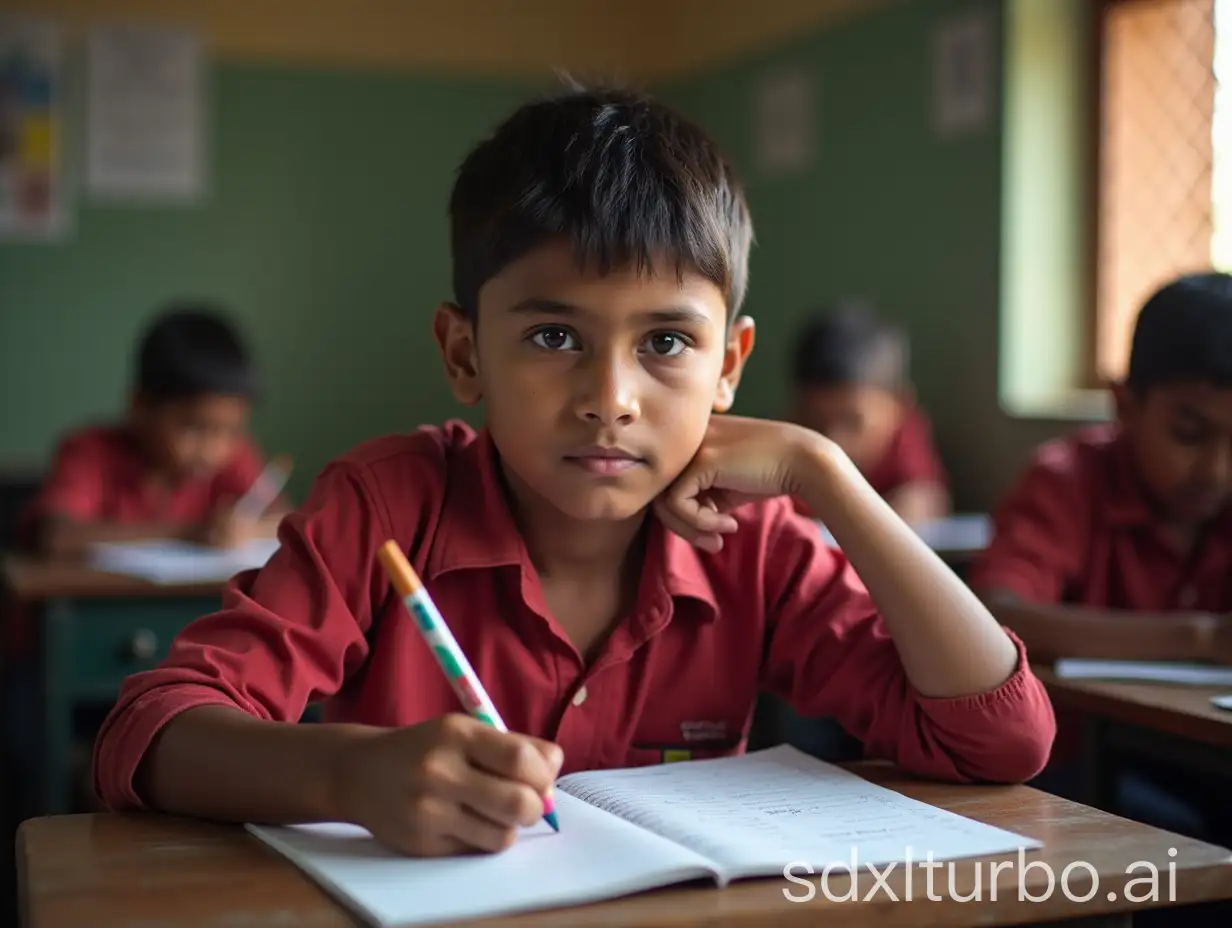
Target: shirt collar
[477, 531]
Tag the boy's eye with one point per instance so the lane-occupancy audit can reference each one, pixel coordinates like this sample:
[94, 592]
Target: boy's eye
[666, 344]
[554, 338]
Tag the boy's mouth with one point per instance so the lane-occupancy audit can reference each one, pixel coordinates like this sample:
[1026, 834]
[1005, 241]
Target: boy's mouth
[604, 460]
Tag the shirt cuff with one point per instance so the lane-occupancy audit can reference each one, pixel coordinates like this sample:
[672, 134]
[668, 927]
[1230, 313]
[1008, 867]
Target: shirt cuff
[125, 739]
[1004, 734]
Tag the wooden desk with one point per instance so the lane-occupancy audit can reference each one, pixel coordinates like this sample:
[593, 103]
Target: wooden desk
[109, 871]
[1160, 720]
[91, 630]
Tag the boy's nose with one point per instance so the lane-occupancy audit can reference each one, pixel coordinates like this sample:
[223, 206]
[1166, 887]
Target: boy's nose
[609, 393]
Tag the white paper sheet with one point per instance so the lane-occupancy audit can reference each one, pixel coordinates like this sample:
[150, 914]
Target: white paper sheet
[593, 857]
[754, 814]
[962, 532]
[1152, 672]
[168, 562]
[145, 116]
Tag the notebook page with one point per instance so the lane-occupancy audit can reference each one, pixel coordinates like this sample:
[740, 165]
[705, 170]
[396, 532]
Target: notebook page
[1151, 672]
[594, 857]
[756, 813]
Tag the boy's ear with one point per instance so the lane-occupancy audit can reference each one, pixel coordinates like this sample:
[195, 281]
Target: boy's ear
[1124, 401]
[455, 335]
[739, 346]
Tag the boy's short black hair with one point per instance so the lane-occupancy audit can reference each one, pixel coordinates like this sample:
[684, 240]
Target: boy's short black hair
[1184, 334]
[624, 178]
[849, 344]
[191, 350]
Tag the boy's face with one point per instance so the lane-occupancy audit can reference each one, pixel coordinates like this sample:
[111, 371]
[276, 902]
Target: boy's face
[192, 437]
[598, 389]
[1181, 438]
[859, 418]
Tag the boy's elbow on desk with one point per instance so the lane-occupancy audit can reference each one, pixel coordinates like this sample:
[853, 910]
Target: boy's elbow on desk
[1002, 737]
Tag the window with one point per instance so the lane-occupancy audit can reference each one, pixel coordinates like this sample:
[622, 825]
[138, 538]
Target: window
[1163, 191]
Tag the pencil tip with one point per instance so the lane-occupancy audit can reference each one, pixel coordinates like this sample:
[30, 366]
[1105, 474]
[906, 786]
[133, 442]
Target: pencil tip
[550, 818]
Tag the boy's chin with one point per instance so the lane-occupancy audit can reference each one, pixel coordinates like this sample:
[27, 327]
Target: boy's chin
[605, 505]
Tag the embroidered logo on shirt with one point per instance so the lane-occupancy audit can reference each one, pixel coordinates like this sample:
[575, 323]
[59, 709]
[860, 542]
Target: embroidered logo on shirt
[703, 731]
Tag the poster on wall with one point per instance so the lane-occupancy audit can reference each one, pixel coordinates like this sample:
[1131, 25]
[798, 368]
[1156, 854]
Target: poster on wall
[963, 74]
[31, 129]
[145, 114]
[784, 121]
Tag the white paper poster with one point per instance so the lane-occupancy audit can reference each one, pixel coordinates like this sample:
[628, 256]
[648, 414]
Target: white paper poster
[145, 114]
[784, 121]
[32, 195]
[963, 74]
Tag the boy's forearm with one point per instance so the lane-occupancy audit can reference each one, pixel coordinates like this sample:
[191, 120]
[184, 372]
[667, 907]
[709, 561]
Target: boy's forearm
[220, 763]
[1054, 631]
[949, 642]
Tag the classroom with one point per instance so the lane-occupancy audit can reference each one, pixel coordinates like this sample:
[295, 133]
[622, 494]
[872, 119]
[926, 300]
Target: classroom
[895, 589]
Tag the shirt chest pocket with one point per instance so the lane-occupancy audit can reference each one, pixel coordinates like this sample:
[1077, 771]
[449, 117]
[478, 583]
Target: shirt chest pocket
[700, 740]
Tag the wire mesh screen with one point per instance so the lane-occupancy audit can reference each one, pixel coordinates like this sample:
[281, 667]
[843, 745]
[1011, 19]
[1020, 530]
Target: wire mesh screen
[1157, 159]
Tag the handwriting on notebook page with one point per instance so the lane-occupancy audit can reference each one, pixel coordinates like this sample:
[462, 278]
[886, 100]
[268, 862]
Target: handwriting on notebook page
[761, 810]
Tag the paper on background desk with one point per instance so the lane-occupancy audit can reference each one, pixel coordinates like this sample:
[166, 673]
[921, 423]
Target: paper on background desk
[960, 532]
[167, 562]
[1151, 672]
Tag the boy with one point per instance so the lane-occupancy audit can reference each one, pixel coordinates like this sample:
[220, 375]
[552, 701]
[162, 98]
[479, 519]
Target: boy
[611, 557]
[177, 464]
[1117, 541]
[850, 383]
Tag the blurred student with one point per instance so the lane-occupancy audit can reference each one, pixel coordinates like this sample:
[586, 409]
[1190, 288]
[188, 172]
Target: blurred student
[177, 463]
[173, 467]
[850, 383]
[1116, 542]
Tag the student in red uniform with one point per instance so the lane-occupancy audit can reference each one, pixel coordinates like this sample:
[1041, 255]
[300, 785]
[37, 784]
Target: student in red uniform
[1116, 542]
[849, 380]
[616, 560]
[179, 460]
[171, 468]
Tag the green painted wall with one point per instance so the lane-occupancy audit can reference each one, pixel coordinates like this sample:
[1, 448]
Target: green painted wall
[888, 211]
[325, 229]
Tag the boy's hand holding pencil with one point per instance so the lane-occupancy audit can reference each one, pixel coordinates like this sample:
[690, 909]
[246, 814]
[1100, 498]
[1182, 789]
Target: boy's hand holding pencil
[457, 784]
[454, 785]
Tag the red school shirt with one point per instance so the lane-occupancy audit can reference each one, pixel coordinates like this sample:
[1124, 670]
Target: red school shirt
[909, 457]
[1078, 528]
[101, 474]
[775, 609]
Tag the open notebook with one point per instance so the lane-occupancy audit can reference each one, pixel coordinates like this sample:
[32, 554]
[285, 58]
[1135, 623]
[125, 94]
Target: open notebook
[624, 831]
[167, 562]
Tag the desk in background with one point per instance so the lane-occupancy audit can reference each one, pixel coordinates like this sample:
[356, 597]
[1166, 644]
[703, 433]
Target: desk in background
[1167, 721]
[103, 871]
[90, 630]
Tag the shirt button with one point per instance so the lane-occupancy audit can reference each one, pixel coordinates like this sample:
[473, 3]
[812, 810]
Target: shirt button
[1189, 596]
[580, 696]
